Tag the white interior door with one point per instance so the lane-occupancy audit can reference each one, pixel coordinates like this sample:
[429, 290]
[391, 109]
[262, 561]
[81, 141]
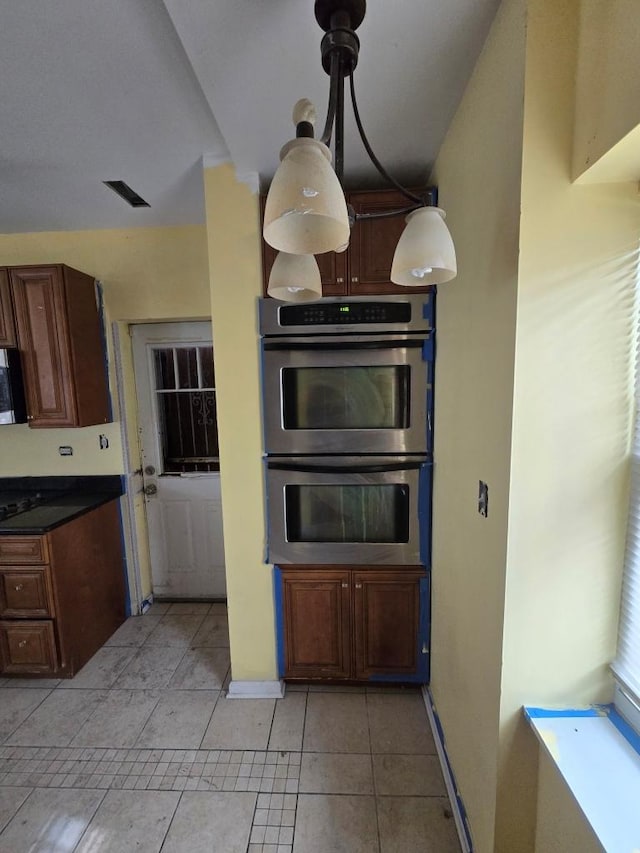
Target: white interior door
[175, 383]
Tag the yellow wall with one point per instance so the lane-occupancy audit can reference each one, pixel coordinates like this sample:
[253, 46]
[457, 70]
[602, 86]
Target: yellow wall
[607, 113]
[478, 174]
[236, 283]
[28, 452]
[569, 467]
[147, 274]
[525, 602]
[561, 827]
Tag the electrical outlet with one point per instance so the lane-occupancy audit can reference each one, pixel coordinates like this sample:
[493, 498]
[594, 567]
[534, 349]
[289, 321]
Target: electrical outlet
[103, 442]
[483, 498]
[65, 450]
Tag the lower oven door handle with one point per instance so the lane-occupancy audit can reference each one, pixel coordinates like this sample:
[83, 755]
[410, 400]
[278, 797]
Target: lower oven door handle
[344, 469]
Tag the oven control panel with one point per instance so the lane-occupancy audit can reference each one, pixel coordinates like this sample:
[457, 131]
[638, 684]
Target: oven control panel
[346, 313]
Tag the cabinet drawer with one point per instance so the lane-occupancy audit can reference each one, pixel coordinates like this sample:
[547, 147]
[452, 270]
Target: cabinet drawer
[27, 648]
[25, 592]
[23, 549]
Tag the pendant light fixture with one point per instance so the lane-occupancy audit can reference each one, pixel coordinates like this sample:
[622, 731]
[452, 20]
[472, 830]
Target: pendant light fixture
[306, 211]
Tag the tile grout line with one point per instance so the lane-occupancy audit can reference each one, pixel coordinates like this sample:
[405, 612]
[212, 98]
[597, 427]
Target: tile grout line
[373, 775]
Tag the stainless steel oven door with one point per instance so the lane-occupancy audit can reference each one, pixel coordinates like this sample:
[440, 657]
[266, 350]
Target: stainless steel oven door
[347, 394]
[349, 510]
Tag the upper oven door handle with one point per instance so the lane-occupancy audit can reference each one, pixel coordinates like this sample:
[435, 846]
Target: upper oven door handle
[306, 468]
[328, 345]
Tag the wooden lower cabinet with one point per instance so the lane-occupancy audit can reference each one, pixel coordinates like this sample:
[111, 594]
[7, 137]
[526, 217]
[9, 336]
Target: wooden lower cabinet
[62, 594]
[354, 624]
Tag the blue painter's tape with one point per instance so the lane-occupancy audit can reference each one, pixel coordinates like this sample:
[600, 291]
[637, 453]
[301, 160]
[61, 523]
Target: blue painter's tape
[460, 804]
[428, 349]
[427, 309]
[277, 593]
[391, 679]
[629, 734]
[424, 511]
[541, 713]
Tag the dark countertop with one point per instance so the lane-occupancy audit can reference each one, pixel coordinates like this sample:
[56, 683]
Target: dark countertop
[66, 498]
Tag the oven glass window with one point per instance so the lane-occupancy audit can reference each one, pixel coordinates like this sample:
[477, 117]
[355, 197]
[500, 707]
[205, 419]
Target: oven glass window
[371, 513]
[346, 397]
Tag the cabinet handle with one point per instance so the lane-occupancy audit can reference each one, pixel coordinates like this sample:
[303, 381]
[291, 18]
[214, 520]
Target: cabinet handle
[345, 586]
[355, 279]
[19, 586]
[340, 280]
[358, 586]
[22, 644]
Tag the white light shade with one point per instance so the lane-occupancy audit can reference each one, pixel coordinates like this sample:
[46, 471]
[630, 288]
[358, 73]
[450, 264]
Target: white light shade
[306, 211]
[295, 278]
[425, 253]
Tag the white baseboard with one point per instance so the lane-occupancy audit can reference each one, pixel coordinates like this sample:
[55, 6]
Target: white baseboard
[454, 797]
[256, 690]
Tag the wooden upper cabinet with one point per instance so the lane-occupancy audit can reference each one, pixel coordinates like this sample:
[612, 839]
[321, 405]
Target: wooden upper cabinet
[61, 346]
[7, 324]
[373, 243]
[365, 268]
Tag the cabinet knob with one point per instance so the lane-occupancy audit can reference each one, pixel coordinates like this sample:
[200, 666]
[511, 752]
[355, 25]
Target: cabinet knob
[345, 586]
[22, 644]
[340, 280]
[355, 279]
[19, 586]
[358, 586]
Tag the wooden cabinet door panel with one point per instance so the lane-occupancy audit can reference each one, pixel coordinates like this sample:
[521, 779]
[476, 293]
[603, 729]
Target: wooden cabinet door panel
[39, 300]
[23, 549]
[25, 592]
[373, 243]
[27, 648]
[7, 323]
[387, 623]
[317, 623]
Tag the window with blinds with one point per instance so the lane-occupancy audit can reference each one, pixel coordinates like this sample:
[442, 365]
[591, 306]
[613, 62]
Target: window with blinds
[186, 400]
[626, 666]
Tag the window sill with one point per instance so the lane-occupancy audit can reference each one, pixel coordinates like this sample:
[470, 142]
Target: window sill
[598, 756]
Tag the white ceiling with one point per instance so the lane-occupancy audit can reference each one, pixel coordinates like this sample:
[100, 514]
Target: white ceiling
[140, 90]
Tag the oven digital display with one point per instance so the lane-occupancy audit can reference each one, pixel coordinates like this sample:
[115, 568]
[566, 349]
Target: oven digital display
[337, 313]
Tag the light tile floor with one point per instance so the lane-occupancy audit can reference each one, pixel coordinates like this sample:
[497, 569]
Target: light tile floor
[142, 751]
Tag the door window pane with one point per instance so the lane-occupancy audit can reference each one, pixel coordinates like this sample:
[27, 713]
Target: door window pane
[186, 400]
[371, 513]
[346, 397]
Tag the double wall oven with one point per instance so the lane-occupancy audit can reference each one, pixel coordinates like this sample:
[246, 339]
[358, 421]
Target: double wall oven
[348, 397]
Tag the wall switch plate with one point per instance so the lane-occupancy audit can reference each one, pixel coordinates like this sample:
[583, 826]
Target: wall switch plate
[103, 442]
[65, 450]
[483, 498]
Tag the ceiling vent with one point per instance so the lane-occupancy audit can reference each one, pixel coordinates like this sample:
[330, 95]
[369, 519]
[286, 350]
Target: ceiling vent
[125, 192]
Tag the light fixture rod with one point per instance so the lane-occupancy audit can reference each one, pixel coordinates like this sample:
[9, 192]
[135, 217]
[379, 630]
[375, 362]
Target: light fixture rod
[333, 101]
[356, 114]
[339, 140]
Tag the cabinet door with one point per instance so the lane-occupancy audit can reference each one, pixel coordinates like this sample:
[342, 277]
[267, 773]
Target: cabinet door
[7, 325]
[27, 648]
[373, 243]
[317, 625]
[43, 338]
[387, 631]
[25, 592]
[61, 345]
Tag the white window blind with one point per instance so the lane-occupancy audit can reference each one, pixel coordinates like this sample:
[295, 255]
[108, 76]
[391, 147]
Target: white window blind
[626, 666]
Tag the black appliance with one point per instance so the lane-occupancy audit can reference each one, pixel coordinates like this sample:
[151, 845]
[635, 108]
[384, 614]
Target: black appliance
[13, 409]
